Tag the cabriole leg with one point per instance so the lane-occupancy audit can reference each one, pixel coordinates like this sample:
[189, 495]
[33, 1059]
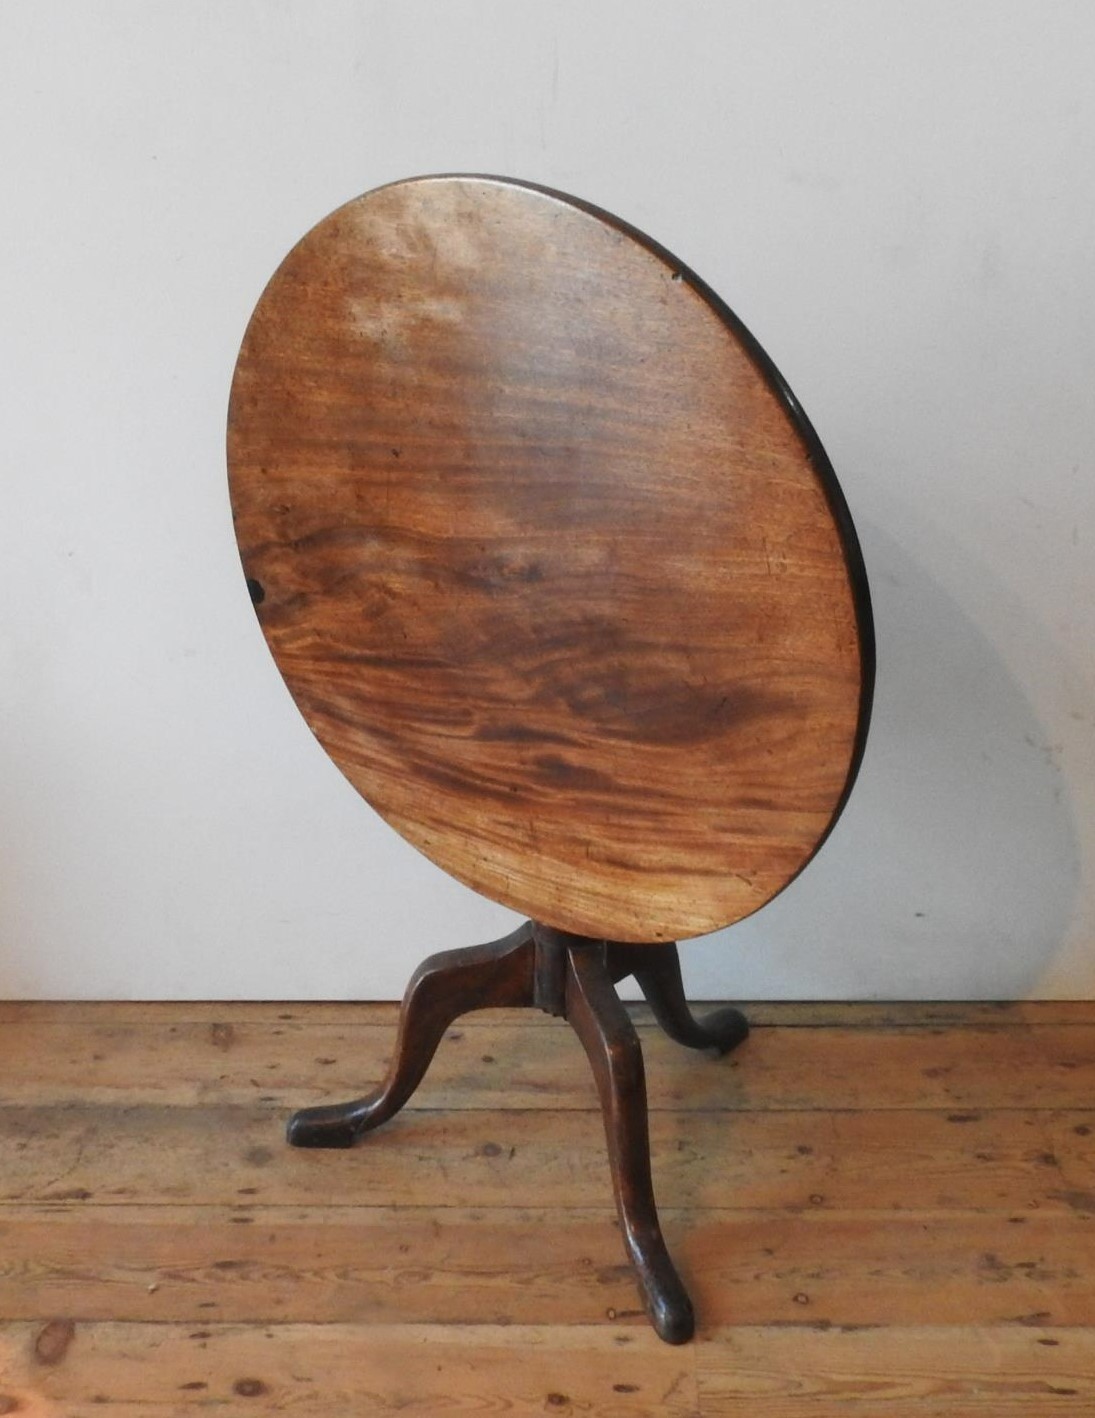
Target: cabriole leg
[443, 987]
[657, 972]
[612, 1045]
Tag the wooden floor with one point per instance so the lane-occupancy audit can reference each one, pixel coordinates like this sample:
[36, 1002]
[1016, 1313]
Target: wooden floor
[880, 1210]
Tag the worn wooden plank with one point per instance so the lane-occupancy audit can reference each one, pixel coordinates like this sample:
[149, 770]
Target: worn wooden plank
[782, 1014]
[1072, 1145]
[158, 1014]
[919, 1014]
[290, 1063]
[889, 1160]
[329, 1264]
[321, 1264]
[79, 1369]
[448, 1265]
[866, 1269]
[968, 1371]
[101, 1369]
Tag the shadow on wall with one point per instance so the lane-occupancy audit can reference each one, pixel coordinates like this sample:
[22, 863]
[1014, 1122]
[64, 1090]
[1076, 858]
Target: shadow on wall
[955, 868]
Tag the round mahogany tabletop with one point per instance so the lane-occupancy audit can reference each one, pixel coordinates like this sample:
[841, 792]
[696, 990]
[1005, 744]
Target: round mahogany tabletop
[551, 561]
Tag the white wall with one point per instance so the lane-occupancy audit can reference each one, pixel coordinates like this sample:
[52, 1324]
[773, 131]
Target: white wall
[897, 198]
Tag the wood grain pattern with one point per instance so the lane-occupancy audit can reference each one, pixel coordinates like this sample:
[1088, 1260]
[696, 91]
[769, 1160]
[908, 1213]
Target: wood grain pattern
[452, 1266]
[548, 565]
[324, 1371]
[783, 1014]
[813, 1161]
[932, 1371]
[488, 1062]
[527, 1371]
[314, 1371]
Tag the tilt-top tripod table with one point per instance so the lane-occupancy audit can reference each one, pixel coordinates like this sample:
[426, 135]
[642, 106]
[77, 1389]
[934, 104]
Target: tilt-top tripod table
[559, 575]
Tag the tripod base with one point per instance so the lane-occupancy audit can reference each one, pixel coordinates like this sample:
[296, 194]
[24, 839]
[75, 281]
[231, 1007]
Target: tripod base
[574, 977]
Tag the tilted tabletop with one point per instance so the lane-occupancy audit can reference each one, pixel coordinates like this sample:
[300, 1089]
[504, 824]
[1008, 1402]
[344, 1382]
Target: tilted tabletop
[552, 565]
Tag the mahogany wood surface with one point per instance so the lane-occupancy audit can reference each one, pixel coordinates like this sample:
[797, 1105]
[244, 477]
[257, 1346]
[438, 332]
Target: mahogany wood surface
[550, 562]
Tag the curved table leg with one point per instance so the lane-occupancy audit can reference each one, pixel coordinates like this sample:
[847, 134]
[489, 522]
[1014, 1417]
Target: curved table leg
[602, 1024]
[442, 988]
[657, 972]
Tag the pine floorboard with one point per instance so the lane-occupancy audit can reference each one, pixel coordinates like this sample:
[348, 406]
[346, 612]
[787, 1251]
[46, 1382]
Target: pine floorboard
[879, 1209]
